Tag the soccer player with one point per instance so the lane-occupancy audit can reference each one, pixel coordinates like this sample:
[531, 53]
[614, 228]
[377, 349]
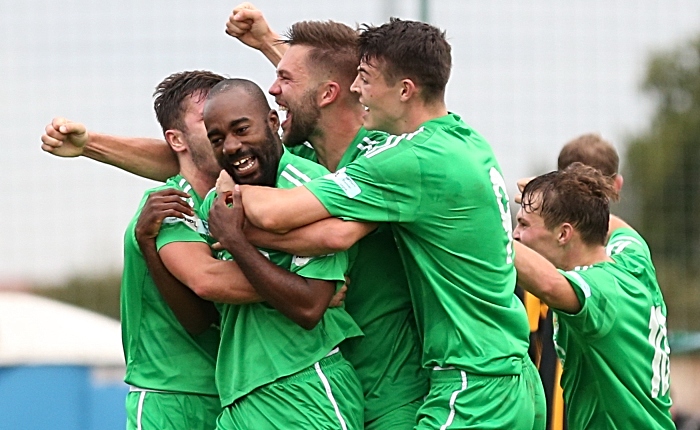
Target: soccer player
[169, 366]
[437, 181]
[610, 313]
[316, 64]
[279, 364]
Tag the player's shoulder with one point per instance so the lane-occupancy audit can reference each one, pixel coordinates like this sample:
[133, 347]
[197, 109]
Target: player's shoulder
[295, 170]
[625, 241]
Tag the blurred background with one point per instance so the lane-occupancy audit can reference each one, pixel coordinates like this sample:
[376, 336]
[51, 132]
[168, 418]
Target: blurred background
[529, 76]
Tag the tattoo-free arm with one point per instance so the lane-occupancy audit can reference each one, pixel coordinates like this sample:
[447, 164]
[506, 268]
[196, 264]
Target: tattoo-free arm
[281, 210]
[327, 236]
[145, 157]
[538, 276]
[300, 299]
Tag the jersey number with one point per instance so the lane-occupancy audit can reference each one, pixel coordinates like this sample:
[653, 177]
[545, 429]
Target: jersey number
[660, 365]
[499, 188]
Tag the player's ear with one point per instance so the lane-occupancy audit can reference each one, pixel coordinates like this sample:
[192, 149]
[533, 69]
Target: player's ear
[565, 233]
[408, 89]
[273, 121]
[329, 91]
[176, 140]
[619, 180]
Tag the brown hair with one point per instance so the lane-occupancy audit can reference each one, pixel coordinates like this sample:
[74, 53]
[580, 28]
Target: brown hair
[592, 150]
[579, 195]
[410, 49]
[173, 90]
[334, 47]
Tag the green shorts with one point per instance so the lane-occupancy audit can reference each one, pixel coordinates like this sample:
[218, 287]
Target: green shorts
[146, 410]
[458, 400]
[401, 418]
[325, 396]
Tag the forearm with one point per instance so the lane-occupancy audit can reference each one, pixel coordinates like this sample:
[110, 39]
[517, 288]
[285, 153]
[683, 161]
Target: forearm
[323, 237]
[273, 49]
[538, 276]
[194, 313]
[285, 291]
[149, 158]
[224, 282]
[281, 210]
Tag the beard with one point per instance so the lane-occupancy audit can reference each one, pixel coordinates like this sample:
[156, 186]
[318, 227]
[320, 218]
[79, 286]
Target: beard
[267, 153]
[305, 115]
[203, 156]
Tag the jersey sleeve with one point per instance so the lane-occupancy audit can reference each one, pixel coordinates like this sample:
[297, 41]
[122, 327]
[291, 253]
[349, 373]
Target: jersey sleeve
[628, 248]
[331, 267]
[598, 305]
[382, 186]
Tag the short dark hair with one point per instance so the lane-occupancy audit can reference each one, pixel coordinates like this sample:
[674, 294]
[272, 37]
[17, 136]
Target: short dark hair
[173, 90]
[592, 150]
[579, 195]
[250, 87]
[409, 49]
[334, 47]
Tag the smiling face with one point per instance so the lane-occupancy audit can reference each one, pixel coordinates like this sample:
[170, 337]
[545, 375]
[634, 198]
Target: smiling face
[295, 92]
[243, 137]
[382, 101]
[531, 231]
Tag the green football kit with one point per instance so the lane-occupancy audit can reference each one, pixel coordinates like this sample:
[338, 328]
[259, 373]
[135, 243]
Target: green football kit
[171, 372]
[269, 366]
[615, 351]
[387, 358]
[441, 189]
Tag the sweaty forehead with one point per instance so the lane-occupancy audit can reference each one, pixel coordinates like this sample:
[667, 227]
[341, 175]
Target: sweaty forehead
[295, 60]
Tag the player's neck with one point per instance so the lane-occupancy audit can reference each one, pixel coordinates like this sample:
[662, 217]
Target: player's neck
[200, 181]
[585, 255]
[336, 129]
[416, 113]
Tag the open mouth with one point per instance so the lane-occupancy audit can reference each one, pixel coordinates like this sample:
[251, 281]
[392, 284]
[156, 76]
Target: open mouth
[246, 165]
[285, 115]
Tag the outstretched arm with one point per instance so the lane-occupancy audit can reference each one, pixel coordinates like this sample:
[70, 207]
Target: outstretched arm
[538, 276]
[149, 158]
[319, 238]
[302, 300]
[247, 24]
[281, 210]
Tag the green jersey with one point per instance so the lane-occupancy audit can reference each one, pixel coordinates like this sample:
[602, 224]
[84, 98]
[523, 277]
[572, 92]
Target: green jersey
[387, 358]
[260, 345]
[443, 192]
[614, 351]
[160, 354]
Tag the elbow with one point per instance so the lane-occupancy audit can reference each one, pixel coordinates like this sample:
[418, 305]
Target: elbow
[203, 289]
[309, 318]
[338, 242]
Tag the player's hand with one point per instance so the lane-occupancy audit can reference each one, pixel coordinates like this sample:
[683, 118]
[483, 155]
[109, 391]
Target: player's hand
[521, 186]
[227, 219]
[224, 183]
[247, 24]
[160, 205]
[339, 298]
[64, 138]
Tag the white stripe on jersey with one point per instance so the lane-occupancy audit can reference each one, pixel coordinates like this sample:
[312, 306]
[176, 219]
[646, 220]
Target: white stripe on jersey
[620, 244]
[291, 178]
[329, 393]
[298, 172]
[583, 284]
[453, 400]
[391, 142]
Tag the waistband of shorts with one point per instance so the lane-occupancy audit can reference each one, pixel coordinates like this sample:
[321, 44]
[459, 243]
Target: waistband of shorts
[451, 373]
[332, 358]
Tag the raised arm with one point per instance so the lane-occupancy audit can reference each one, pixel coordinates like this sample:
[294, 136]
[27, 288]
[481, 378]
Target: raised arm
[538, 276]
[322, 237]
[303, 300]
[149, 158]
[247, 24]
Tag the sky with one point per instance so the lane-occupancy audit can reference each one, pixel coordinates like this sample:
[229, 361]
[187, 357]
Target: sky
[529, 76]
